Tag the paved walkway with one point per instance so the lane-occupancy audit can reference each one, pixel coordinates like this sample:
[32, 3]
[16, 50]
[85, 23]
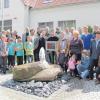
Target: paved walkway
[73, 90]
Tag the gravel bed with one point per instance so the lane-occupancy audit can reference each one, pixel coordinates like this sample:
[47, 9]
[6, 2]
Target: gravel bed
[41, 89]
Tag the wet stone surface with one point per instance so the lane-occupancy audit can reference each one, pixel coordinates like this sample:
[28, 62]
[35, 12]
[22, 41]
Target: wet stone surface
[41, 89]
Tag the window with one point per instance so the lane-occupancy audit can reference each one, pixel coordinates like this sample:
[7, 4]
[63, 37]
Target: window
[46, 24]
[64, 24]
[7, 25]
[6, 3]
[47, 1]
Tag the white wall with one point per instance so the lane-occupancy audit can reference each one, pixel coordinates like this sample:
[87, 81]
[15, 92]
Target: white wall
[15, 12]
[84, 14]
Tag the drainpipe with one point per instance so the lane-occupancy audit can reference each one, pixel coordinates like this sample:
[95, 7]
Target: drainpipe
[2, 14]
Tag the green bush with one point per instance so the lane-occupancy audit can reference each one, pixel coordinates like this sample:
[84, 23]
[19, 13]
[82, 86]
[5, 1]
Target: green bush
[90, 29]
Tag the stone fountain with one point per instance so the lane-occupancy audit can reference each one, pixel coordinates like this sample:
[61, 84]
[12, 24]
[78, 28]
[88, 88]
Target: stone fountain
[39, 71]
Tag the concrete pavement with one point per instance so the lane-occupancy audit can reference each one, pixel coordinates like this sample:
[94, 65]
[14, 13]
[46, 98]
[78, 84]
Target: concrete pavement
[75, 89]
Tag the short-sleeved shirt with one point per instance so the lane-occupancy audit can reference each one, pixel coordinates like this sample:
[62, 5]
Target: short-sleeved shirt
[10, 48]
[21, 51]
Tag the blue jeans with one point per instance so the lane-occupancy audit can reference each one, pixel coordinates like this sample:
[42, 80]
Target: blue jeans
[82, 70]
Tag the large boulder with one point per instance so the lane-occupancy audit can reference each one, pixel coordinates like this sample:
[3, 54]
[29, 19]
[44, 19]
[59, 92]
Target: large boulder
[48, 74]
[36, 71]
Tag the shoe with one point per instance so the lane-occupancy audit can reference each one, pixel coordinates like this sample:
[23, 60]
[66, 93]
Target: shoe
[90, 79]
[79, 77]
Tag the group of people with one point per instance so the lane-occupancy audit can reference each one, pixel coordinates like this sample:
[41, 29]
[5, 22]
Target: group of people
[78, 51]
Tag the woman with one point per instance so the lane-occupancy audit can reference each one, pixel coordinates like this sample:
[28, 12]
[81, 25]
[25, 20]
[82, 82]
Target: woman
[76, 47]
[3, 54]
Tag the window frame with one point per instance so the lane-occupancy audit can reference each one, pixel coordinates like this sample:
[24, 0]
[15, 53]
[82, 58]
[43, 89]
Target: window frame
[6, 27]
[65, 24]
[47, 24]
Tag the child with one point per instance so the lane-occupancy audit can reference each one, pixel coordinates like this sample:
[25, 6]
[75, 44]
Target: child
[83, 65]
[29, 46]
[71, 64]
[19, 51]
[11, 52]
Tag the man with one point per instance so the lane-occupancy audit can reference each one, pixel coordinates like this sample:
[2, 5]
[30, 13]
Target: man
[58, 32]
[71, 32]
[94, 54]
[38, 43]
[86, 37]
[47, 32]
[95, 28]
[53, 54]
[67, 33]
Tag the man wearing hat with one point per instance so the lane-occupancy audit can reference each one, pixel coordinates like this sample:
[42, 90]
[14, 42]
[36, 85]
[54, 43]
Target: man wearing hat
[94, 54]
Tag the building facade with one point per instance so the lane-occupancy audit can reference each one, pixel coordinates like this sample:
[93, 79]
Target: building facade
[12, 14]
[76, 14]
[16, 14]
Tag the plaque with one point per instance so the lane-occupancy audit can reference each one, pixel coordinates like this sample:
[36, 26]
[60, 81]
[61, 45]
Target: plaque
[51, 45]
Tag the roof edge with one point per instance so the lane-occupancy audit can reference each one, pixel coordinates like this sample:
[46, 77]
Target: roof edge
[70, 4]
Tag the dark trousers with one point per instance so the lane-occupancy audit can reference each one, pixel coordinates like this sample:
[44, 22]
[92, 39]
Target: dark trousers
[97, 73]
[53, 57]
[36, 56]
[62, 60]
[76, 71]
[4, 63]
[19, 60]
[24, 57]
[11, 60]
[78, 57]
[93, 62]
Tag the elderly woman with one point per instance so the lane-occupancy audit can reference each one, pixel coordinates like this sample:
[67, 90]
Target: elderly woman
[76, 46]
